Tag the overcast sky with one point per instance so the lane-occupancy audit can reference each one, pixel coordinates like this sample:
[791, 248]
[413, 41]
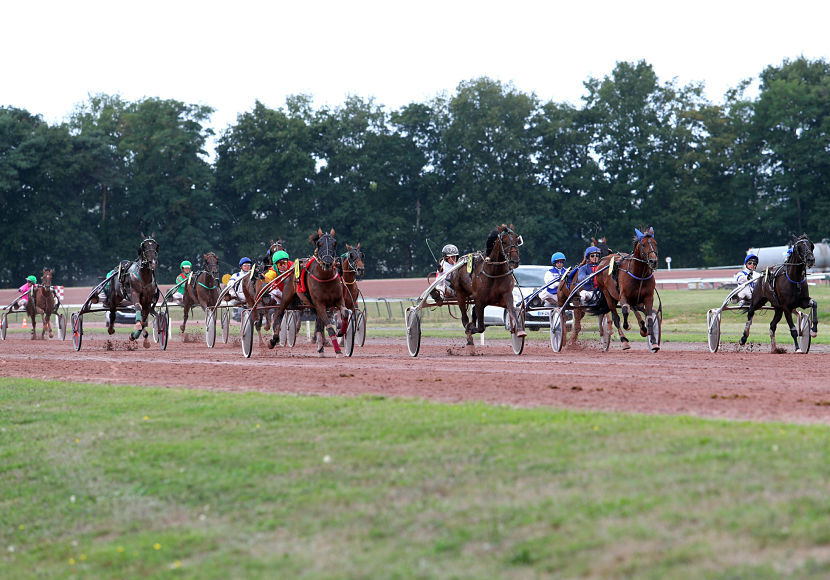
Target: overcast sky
[229, 54]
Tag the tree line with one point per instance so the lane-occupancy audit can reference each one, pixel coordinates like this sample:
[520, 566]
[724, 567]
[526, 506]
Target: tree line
[712, 178]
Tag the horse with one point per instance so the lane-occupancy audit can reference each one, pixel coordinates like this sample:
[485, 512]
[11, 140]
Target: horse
[785, 287]
[318, 285]
[629, 282]
[252, 284]
[42, 301]
[351, 268]
[202, 288]
[490, 282]
[602, 244]
[136, 285]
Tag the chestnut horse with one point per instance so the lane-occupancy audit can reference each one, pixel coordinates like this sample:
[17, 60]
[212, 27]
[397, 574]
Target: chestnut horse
[628, 281]
[136, 285]
[785, 287]
[202, 288]
[352, 268]
[490, 282]
[320, 288]
[42, 301]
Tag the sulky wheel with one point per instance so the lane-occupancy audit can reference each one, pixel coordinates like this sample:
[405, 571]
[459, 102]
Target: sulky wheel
[210, 328]
[4, 324]
[518, 342]
[77, 330]
[557, 329]
[713, 329]
[804, 323]
[226, 324]
[62, 326]
[605, 331]
[163, 324]
[360, 337]
[413, 330]
[247, 333]
[654, 335]
[291, 322]
[348, 338]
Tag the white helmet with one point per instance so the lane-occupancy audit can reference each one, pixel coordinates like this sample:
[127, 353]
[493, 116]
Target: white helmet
[449, 250]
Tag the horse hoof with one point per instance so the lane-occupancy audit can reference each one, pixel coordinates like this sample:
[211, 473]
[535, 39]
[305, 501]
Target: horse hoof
[320, 353]
[626, 345]
[655, 348]
[110, 331]
[643, 332]
[813, 334]
[798, 351]
[521, 334]
[146, 343]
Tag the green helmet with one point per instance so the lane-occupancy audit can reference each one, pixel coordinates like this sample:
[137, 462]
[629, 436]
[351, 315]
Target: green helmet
[281, 255]
[186, 263]
[32, 279]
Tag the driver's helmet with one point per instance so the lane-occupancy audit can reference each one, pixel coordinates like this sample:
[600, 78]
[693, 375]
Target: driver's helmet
[279, 256]
[591, 250]
[751, 258]
[450, 250]
[557, 257]
[186, 264]
[245, 260]
[31, 279]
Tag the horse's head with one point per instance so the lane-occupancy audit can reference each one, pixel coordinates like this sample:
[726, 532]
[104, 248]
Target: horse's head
[602, 244]
[355, 256]
[645, 247]
[803, 251]
[509, 241]
[211, 264]
[148, 253]
[46, 278]
[325, 249]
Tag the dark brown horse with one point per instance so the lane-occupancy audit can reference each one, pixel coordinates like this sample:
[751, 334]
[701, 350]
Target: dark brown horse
[490, 282]
[320, 287]
[785, 287]
[629, 282]
[352, 268]
[42, 301]
[202, 288]
[135, 285]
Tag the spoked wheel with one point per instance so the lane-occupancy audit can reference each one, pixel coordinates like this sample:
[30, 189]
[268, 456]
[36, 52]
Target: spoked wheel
[605, 331]
[654, 335]
[226, 324]
[804, 323]
[360, 323]
[156, 328]
[4, 324]
[557, 330]
[210, 328]
[518, 342]
[62, 326]
[713, 329]
[77, 330]
[163, 324]
[413, 331]
[291, 322]
[351, 331]
[247, 333]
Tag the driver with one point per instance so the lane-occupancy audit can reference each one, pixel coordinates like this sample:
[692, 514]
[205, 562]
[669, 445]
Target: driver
[30, 283]
[282, 263]
[746, 275]
[552, 276]
[235, 291]
[588, 293]
[181, 279]
[444, 290]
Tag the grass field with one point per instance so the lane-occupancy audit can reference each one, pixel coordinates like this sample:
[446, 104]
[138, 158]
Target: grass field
[122, 482]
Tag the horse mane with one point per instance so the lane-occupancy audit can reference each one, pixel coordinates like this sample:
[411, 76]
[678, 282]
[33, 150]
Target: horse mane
[491, 239]
[314, 237]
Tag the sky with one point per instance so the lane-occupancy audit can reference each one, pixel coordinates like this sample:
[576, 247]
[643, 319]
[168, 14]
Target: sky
[228, 55]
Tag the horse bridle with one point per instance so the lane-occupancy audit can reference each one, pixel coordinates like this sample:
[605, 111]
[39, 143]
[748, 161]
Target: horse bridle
[353, 256]
[329, 254]
[803, 259]
[651, 250]
[143, 249]
[505, 252]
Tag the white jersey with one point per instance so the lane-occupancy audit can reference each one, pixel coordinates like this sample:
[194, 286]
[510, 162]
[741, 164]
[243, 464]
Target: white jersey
[553, 274]
[743, 276]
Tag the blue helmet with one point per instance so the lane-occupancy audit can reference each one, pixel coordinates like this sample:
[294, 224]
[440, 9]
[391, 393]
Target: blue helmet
[751, 257]
[556, 257]
[245, 260]
[592, 250]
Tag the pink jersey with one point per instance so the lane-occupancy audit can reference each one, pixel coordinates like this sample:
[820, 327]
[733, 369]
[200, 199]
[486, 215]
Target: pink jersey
[25, 288]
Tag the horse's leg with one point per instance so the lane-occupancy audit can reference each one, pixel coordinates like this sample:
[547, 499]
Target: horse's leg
[47, 322]
[186, 304]
[814, 308]
[323, 320]
[517, 327]
[615, 318]
[749, 316]
[788, 314]
[463, 306]
[33, 318]
[773, 324]
[578, 314]
[651, 320]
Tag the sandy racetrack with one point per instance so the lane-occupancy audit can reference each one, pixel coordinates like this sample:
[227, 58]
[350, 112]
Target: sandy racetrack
[681, 379]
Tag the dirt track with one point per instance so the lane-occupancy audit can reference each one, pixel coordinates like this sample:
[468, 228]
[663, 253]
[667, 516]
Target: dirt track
[681, 379]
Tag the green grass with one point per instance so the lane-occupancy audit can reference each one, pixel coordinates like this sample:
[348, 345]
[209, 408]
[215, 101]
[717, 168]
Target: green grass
[122, 482]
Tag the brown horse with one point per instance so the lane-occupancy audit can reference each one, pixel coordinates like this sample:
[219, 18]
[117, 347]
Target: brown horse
[785, 287]
[629, 282]
[319, 287]
[568, 283]
[136, 286]
[202, 288]
[252, 285]
[351, 268]
[42, 301]
[490, 282]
